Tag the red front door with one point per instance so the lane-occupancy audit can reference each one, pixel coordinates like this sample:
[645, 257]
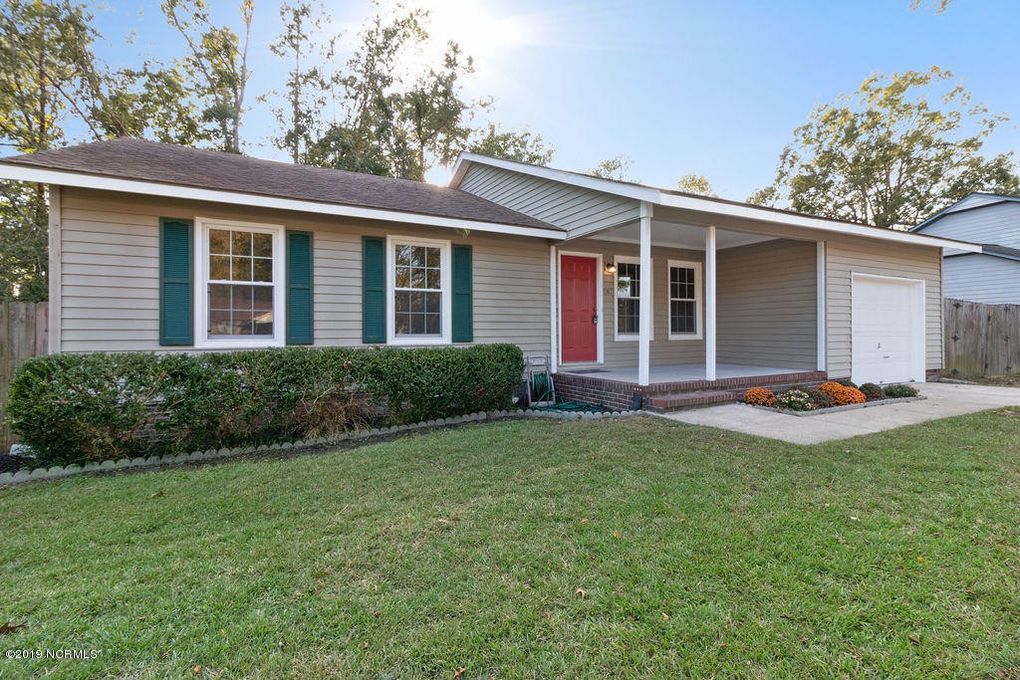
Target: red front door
[578, 281]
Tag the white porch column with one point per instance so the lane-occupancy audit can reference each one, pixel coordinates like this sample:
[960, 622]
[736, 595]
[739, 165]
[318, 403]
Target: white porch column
[554, 340]
[820, 292]
[710, 303]
[645, 300]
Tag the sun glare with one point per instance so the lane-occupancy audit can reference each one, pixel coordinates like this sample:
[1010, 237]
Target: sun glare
[482, 34]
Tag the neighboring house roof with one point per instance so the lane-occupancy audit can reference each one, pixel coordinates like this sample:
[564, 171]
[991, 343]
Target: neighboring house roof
[710, 204]
[972, 201]
[140, 160]
[994, 251]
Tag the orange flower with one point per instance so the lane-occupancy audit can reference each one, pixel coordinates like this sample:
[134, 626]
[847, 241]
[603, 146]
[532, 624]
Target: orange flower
[760, 396]
[841, 394]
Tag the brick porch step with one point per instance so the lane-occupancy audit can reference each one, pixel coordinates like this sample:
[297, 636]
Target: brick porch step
[661, 403]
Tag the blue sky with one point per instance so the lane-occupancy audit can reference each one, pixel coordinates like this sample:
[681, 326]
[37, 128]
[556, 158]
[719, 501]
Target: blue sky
[709, 87]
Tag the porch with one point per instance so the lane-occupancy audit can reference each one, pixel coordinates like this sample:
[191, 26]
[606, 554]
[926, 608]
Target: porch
[675, 386]
[678, 311]
[680, 373]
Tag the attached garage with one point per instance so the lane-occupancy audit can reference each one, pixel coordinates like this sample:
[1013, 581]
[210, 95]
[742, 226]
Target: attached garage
[888, 329]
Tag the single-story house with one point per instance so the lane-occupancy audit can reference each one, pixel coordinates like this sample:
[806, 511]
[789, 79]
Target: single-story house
[634, 292]
[991, 276]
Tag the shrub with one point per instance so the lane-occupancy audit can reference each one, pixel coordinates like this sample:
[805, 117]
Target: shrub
[820, 399]
[76, 408]
[841, 394]
[900, 391]
[847, 382]
[760, 396]
[872, 392]
[795, 400]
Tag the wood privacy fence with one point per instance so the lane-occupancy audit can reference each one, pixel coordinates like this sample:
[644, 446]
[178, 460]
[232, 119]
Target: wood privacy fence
[981, 340]
[24, 333]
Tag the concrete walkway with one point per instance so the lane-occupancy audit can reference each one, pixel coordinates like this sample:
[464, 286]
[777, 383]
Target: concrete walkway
[943, 400]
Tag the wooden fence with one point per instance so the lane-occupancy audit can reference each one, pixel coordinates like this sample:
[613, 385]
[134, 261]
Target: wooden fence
[24, 333]
[981, 340]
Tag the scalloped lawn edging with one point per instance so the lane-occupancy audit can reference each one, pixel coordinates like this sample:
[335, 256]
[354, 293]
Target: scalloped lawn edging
[59, 471]
[836, 409]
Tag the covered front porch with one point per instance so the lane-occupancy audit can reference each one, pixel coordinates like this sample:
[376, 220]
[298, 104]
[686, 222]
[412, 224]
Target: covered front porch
[671, 303]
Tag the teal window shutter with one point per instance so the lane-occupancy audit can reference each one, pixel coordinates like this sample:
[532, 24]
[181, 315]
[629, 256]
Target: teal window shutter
[463, 315]
[373, 289]
[176, 282]
[299, 288]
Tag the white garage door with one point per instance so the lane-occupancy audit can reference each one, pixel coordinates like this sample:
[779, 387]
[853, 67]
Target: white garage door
[888, 329]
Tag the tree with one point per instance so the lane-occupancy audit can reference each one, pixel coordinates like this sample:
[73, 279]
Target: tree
[52, 81]
[388, 119]
[522, 146]
[371, 95]
[220, 58]
[45, 56]
[155, 102]
[615, 168]
[306, 85]
[695, 184]
[887, 156]
[341, 147]
[433, 112]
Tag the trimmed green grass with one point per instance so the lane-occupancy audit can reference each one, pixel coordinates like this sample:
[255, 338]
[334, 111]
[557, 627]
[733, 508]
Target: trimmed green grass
[532, 548]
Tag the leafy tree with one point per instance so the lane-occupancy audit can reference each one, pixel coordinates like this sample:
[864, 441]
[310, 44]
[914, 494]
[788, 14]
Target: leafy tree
[521, 146]
[615, 168]
[887, 155]
[220, 58]
[341, 147]
[433, 112]
[154, 101]
[45, 56]
[389, 121]
[306, 84]
[370, 92]
[51, 82]
[695, 184]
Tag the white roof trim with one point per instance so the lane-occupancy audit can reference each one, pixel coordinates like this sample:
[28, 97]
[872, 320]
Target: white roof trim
[665, 198]
[608, 186]
[87, 181]
[808, 222]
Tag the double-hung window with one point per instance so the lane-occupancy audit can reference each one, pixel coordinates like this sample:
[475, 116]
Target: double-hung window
[240, 291]
[419, 291]
[628, 280]
[684, 300]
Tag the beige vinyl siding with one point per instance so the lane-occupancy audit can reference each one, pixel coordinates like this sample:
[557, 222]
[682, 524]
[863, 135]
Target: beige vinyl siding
[624, 353]
[848, 256]
[110, 277]
[559, 204]
[767, 306]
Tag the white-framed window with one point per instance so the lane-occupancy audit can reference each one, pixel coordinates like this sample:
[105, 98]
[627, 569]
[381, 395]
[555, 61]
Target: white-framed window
[239, 292]
[419, 298]
[627, 282]
[684, 291]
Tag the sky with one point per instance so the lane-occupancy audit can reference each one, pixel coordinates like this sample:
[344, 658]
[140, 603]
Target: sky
[710, 87]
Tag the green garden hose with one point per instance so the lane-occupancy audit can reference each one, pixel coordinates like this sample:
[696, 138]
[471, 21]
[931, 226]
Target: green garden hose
[541, 388]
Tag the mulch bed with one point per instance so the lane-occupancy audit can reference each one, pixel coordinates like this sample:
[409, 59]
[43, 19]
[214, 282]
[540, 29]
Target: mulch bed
[9, 463]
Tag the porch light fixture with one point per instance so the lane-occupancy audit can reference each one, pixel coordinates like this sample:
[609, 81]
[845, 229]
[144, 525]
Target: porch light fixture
[610, 268]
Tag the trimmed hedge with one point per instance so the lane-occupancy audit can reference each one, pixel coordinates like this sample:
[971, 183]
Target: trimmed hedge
[79, 408]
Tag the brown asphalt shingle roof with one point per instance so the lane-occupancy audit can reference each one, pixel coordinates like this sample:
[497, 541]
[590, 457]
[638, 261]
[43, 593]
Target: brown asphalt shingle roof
[137, 159]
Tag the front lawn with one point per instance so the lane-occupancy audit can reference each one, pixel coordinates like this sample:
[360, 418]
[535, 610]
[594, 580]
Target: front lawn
[534, 548]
